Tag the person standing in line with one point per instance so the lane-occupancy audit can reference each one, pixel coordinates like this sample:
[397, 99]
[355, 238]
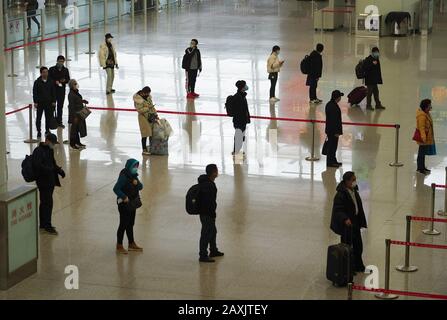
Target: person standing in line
[47, 178]
[78, 127]
[192, 63]
[31, 8]
[373, 77]
[60, 75]
[207, 206]
[334, 128]
[44, 97]
[424, 124]
[348, 213]
[273, 68]
[241, 115]
[315, 72]
[147, 116]
[127, 190]
[108, 61]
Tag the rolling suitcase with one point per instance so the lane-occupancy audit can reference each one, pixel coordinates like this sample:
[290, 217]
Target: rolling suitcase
[357, 95]
[159, 147]
[340, 260]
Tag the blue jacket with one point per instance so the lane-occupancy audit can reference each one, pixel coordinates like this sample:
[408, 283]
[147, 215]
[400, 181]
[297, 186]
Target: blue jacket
[124, 187]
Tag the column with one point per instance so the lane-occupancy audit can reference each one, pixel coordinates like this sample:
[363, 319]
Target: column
[3, 166]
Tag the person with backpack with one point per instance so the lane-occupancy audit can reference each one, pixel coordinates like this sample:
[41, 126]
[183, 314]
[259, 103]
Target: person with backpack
[241, 115]
[47, 174]
[44, 97]
[192, 63]
[147, 116]
[348, 213]
[60, 76]
[373, 77]
[108, 61]
[127, 190]
[315, 71]
[334, 128]
[273, 68]
[206, 207]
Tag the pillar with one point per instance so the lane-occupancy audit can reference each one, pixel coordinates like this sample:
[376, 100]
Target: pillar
[3, 166]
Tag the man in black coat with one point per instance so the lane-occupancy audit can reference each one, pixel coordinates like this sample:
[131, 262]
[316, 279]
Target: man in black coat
[192, 63]
[47, 178]
[348, 217]
[334, 128]
[44, 97]
[315, 72]
[60, 76]
[241, 115]
[373, 77]
[207, 209]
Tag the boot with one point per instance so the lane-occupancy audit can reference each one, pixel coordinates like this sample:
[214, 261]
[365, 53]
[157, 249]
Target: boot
[134, 247]
[120, 249]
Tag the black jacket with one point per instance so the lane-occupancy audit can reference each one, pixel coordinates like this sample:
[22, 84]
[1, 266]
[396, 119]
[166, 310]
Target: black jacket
[241, 114]
[344, 208]
[373, 72]
[316, 65]
[207, 196]
[75, 104]
[333, 119]
[186, 62]
[45, 167]
[32, 5]
[57, 75]
[44, 93]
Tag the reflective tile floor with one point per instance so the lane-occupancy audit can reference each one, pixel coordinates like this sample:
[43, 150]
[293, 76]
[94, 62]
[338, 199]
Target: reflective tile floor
[274, 207]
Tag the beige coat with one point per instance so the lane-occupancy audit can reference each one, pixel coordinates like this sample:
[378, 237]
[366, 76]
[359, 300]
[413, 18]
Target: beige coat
[103, 53]
[424, 123]
[273, 63]
[144, 108]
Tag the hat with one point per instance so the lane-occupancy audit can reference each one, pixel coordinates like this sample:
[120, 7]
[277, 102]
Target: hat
[52, 138]
[337, 94]
[146, 90]
[108, 36]
[241, 84]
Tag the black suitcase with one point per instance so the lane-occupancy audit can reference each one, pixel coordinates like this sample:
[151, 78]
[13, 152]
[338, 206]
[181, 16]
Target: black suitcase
[339, 264]
[357, 95]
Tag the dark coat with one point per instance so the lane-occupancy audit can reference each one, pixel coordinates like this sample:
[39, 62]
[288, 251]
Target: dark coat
[44, 93]
[57, 75]
[344, 208]
[316, 65]
[241, 114]
[75, 104]
[45, 167]
[189, 53]
[373, 72]
[333, 119]
[207, 196]
[33, 5]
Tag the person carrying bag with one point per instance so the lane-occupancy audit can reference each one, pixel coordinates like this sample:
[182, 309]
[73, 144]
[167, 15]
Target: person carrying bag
[424, 135]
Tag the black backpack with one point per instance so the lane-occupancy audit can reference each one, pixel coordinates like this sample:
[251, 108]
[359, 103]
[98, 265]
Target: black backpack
[229, 106]
[305, 65]
[192, 205]
[28, 169]
[359, 70]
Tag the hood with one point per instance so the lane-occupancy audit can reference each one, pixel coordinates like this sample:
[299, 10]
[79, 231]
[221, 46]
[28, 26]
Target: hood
[131, 163]
[203, 178]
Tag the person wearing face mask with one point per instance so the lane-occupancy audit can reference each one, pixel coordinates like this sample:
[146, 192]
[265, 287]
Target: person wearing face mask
[108, 61]
[241, 115]
[44, 97]
[60, 75]
[315, 72]
[348, 217]
[147, 116]
[426, 136]
[373, 77]
[127, 190]
[192, 63]
[273, 68]
[47, 178]
[78, 126]
[334, 128]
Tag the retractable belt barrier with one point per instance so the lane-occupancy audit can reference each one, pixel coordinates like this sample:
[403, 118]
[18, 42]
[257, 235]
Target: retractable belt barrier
[352, 287]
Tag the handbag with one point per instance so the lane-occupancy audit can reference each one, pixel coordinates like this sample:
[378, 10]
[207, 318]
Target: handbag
[325, 147]
[135, 203]
[52, 123]
[84, 113]
[417, 136]
[152, 117]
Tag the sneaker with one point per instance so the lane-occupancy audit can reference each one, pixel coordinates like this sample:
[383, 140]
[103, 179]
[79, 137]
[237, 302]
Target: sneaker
[422, 172]
[113, 90]
[319, 100]
[206, 259]
[316, 101]
[340, 163]
[272, 99]
[216, 254]
[75, 148]
[333, 165]
[146, 153]
[190, 96]
[277, 99]
[51, 230]
[120, 249]
[369, 108]
[134, 247]
[108, 92]
[380, 107]
[61, 126]
[426, 170]
[80, 147]
[195, 94]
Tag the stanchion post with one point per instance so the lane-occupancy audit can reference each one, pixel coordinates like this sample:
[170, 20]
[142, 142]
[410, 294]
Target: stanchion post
[322, 21]
[432, 231]
[12, 74]
[132, 12]
[106, 11]
[444, 212]
[350, 291]
[5, 30]
[30, 139]
[406, 267]
[59, 27]
[42, 36]
[312, 155]
[387, 296]
[66, 48]
[396, 162]
[25, 28]
[90, 27]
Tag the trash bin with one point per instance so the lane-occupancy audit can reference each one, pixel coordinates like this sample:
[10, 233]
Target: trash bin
[398, 23]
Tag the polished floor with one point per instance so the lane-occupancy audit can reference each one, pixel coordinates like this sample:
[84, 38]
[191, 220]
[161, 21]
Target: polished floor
[274, 207]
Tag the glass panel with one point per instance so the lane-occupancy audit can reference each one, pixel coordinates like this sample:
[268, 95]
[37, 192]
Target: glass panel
[50, 22]
[98, 11]
[83, 15]
[112, 9]
[14, 31]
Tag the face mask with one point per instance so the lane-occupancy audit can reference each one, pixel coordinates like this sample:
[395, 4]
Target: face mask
[277, 53]
[51, 146]
[246, 88]
[376, 55]
[60, 65]
[134, 170]
[109, 40]
[354, 185]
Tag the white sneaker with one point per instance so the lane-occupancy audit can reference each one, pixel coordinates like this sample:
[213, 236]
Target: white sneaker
[277, 99]
[146, 153]
[272, 100]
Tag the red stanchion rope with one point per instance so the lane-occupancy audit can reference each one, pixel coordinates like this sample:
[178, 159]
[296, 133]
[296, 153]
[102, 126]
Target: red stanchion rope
[420, 245]
[440, 186]
[402, 293]
[337, 11]
[18, 110]
[428, 219]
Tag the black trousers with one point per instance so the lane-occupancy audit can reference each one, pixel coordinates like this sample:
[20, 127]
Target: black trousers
[421, 158]
[48, 110]
[208, 235]
[45, 207]
[32, 15]
[273, 80]
[373, 89]
[192, 77]
[144, 143]
[332, 145]
[242, 127]
[60, 99]
[357, 245]
[313, 84]
[75, 137]
[127, 221]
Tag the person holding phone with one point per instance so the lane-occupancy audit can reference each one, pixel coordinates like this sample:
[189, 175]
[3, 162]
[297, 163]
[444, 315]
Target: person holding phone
[108, 61]
[192, 63]
[147, 116]
[273, 68]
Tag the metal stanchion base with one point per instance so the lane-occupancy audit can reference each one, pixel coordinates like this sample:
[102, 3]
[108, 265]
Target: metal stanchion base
[433, 232]
[396, 164]
[442, 213]
[12, 75]
[90, 52]
[312, 159]
[386, 296]
[407, 269]
[31, 141]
